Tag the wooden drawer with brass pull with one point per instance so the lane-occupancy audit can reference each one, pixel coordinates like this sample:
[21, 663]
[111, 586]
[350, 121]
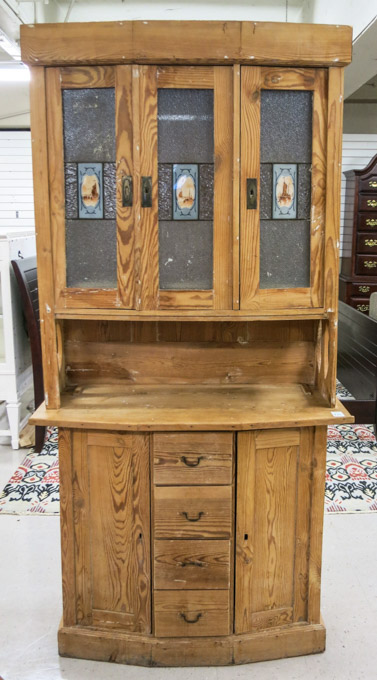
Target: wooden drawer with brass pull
[359, 303]
[191, 564]
[193, 458]
[362, 289]
[191, 613]
[366, 265]
[368, 184]
[367, 222]
[192, 511]
[368, 201]
[366, 243]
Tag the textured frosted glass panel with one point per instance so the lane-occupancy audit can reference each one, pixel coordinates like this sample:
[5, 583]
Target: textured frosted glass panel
[185, 126]
[286, 126]
[206, 186]
[304, 191]
[71, 198]
[186, 255]
[284, 254]
[109, 186]
[165, 191]
[89, 124]
[91, 254]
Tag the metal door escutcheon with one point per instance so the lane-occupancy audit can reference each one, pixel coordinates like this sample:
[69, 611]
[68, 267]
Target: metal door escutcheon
[251, 193]
[126, 191]
[146, 192]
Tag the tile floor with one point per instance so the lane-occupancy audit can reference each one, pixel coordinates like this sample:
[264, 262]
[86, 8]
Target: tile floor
[30, 607]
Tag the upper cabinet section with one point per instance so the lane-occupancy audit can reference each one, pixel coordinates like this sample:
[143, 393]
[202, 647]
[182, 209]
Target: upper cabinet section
[209, 187]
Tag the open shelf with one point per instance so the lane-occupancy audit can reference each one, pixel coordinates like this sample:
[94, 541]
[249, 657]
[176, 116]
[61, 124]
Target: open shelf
[191, 407]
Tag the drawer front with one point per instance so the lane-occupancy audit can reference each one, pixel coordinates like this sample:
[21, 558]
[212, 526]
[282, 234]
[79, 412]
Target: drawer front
[369, 184]
[368, 201]
[191, 564]
[366, 243]
[193, 458]
[367, 222]
[191, 613]
[361, 304]
[192, 512]
[366, 265]
[363, 289]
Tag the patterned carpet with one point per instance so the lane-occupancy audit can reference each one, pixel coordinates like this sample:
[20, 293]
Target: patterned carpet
[351, 477]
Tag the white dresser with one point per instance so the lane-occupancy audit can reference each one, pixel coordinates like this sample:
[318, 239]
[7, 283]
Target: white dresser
[16, 377]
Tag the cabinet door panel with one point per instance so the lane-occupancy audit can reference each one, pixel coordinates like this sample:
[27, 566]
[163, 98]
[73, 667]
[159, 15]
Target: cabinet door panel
[274, 511]
[90, 137]
[283, 127]
[111, 527]
[186, 121]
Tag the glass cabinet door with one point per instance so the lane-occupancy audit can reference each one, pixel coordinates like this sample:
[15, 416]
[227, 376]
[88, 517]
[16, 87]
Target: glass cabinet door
[90, 151]
[283, 138]
[186, 149]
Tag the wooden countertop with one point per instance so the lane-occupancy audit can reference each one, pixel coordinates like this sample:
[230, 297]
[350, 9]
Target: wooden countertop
[188, 407]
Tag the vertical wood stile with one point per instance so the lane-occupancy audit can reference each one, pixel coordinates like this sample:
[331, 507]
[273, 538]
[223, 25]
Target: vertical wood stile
[301, 570]
[236, 182]
[136, 183]
[318, 203]
[66, 527]
[316, 523]
[245, 527]
[43, 233]
[334, 174]
[223, 209]
[80, 491]
[56, 179]
[148, 223]
[250, 167]
[124, 166]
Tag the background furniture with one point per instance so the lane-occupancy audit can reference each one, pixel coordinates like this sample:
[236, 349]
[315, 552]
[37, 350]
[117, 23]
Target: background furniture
[188, 294]
[358, 277]
[25, 272]
[15, 360]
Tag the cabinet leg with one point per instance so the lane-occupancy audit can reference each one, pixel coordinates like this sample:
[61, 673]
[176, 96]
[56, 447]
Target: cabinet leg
[14, 412]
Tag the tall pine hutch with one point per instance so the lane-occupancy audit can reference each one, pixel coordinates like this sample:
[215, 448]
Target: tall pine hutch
[187, 180]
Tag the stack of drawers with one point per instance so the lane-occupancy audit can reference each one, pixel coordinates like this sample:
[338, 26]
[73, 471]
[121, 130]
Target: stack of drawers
[193, 528]
[359, 270]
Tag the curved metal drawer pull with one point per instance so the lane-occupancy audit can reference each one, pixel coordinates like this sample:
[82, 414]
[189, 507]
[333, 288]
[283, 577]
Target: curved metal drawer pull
[184, 617]
[192, 563]
[193, 519]
[192, 463]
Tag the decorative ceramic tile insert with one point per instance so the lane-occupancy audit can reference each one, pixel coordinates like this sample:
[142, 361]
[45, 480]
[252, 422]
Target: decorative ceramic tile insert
[284, 200]
[185, 192]
[90, 191]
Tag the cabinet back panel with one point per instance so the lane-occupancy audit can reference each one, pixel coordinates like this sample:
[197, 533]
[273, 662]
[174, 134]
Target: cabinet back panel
[190, 353]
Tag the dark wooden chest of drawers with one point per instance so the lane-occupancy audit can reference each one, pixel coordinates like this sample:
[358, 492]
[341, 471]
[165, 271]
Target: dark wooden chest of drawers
[358, 277]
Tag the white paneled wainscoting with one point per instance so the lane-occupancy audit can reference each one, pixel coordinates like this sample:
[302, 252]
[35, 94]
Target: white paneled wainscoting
[16, 179]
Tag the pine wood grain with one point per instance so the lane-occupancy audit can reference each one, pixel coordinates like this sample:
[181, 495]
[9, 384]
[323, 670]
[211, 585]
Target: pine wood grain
[236, 183]
[199, 42]
[192, 512]
[67, 527]
[169, 408]
[83, 76]
[118, 647]
[81, 517]
[316, 524]
[43, 233]
[119, 521]
[124, 166]
[185, 299]
[318, 222]
[193, 565]
[206, 613]
[302, 534]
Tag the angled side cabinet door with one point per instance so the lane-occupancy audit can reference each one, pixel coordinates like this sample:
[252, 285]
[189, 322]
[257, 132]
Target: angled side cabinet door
[186, 147]
[280, 503]
[91, 176]
[283, 184]
[105, 523]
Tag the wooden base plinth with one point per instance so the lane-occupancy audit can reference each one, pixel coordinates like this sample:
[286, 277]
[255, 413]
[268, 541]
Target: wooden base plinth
[142, 650]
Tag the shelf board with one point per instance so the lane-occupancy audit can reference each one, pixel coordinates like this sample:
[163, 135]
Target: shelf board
[198, 407]
[190, 315]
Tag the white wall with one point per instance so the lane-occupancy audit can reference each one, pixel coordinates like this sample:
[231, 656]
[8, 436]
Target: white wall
[360, 116]
[16, 180]
[358, 149]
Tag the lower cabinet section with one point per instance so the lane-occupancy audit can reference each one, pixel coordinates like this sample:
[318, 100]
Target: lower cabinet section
[179, 536]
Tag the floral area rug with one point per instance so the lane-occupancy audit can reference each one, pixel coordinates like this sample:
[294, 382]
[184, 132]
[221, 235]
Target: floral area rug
[33, 489]
[351, 476]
